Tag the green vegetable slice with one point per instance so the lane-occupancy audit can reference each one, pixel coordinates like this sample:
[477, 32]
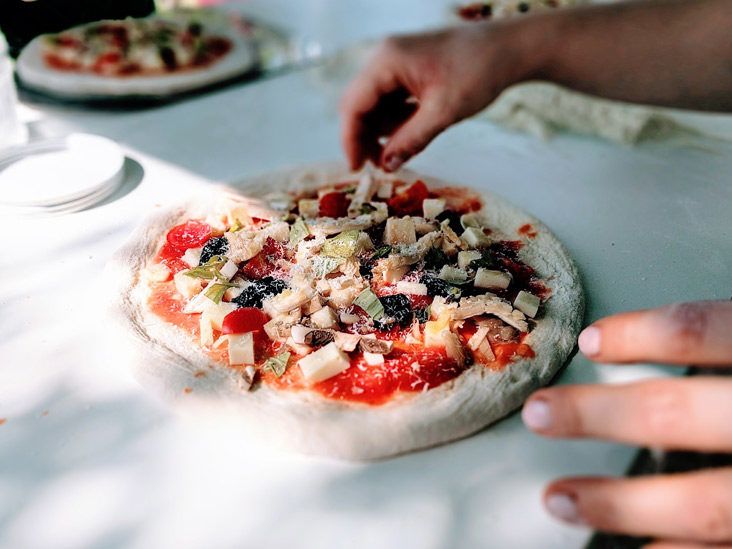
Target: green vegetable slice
[215, 292]
[344, 245]
[277, 364]
[381, 252]
[298, 231]
[368, 301]
[325, 265]
[209, 270]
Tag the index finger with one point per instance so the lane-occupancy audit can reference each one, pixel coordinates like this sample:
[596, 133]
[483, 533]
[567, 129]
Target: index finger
[361, 97]
[698, 333]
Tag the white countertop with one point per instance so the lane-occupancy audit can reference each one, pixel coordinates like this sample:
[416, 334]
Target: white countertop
[88, 459]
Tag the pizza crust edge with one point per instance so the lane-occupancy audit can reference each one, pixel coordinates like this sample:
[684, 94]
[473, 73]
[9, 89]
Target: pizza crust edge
[305, 422]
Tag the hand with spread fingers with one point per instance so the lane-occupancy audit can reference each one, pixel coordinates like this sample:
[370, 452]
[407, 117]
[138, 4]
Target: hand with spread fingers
[691, 414]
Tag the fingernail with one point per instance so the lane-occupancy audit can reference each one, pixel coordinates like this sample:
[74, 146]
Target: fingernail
[563, 507]
[537, 415]
[393, 163]
[589, 341]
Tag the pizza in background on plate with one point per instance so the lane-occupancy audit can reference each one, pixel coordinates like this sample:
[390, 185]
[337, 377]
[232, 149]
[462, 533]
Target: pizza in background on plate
[356, 316]
[134, 47]
[152, 56]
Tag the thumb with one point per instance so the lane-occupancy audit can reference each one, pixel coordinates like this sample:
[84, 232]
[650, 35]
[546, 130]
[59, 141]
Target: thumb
[415, 134]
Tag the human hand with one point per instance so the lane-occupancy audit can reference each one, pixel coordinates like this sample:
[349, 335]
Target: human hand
[416, 86]
[668, 413]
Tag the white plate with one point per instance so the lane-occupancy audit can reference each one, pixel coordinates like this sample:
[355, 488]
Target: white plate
[56, 172]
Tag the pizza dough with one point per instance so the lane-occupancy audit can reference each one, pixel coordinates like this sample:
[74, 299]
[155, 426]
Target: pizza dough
[168, 360]
[35, 73]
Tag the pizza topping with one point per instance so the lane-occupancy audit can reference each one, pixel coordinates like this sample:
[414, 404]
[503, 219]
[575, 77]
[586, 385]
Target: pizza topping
[474, 237]
[298, 231]
[277, 364]
[245, 319]
[397, 310]
[191, 234]
[333, 204]
[486, 278]
[372, 289]
[259, 290]
[409, 201]
[215, 246]
[241, 348]
[134, 47]
[370, 304]
[527, 303]
[324, 363]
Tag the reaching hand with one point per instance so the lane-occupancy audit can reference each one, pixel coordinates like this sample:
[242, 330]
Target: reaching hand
[416, 86]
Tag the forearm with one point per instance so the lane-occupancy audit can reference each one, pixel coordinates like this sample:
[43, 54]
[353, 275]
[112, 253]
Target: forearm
[675, 53]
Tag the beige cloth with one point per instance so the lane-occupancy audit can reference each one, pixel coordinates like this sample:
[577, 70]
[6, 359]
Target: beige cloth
[543, 109]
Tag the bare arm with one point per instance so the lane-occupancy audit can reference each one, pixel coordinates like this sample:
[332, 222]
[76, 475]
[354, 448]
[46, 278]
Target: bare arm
[675, 53]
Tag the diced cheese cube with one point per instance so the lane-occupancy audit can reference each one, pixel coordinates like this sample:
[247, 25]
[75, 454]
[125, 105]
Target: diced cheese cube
[234, 292]
[413, 288]
[229, 269]
[187, 286]
[472, 220]
[527, 303]
[284, 302]
[432, 207]
[466, 258]
[199, 303]
[364, 243]
[485, 350]
[433, 331]
[373, 359]
[297, 348]
[440, 307]
[487, 278]
[324, 318]
[345, 341]
[348, 318]
[454, 347]
[313, 306]
[452, 274]
[157, 272]
[241, 348]
[309, 208]
[394, 274]
[385, 190]
[400, 231]
[324, 363]
[277, 230]
[298, 333]
[204, 323]
[477, 338]
[192, 256]
[217, 312]
[475, 238]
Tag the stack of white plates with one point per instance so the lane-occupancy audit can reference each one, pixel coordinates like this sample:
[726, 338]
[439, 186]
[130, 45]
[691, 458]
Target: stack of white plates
[58, 176]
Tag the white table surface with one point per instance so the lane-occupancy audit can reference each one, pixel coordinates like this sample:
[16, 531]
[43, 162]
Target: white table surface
[88, 459]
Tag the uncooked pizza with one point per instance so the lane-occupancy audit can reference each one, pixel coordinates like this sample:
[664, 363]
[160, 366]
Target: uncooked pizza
[351, 315]
[153, 55]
